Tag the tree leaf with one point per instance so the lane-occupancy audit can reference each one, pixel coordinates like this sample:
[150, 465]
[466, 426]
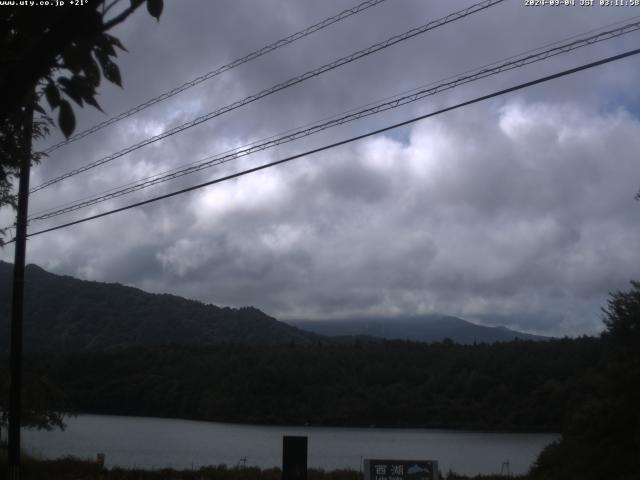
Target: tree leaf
[66, 119]
[115, 41]
[154, 7]
[64, 81]
[72, 89]
[52, 94]
[104, 43]
[109, 69]
[72, 57]
[92, 72]
[93, 102]
[82, 88]
[102, 57]
[112, 73]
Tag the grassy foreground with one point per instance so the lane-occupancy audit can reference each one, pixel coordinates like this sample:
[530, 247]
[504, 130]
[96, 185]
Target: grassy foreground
[75, 469]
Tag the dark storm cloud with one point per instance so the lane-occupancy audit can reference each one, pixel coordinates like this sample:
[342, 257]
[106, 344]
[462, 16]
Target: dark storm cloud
[518, 211]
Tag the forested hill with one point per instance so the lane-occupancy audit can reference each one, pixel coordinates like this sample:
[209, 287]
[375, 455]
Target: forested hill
[63, 313]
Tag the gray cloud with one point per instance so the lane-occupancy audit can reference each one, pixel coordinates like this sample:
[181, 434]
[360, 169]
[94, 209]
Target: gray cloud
[517, 211]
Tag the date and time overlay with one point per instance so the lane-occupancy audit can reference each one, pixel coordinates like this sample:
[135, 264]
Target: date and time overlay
[581, 3]
[526, 3]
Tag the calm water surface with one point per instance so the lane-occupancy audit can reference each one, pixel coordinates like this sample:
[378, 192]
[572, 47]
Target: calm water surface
[157, 442]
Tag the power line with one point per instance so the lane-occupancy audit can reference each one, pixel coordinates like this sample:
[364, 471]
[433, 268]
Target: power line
[343, 142]
[219, 159]
[413, 90]
[281, 86]
[395, 96]
[209, 75]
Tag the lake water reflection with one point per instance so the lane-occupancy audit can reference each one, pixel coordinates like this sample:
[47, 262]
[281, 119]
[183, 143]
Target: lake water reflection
[152, 443]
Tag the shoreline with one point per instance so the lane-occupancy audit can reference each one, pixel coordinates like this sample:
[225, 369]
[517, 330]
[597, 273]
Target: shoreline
[72, 467]
[438, 429]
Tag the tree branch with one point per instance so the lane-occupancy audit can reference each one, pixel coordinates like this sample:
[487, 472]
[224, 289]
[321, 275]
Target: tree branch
[106, 9]
[135, 4]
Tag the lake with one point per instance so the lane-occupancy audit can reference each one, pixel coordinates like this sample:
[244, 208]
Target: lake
[153, 443]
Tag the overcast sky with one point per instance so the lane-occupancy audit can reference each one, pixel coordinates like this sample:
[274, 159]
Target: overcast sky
[518, 211]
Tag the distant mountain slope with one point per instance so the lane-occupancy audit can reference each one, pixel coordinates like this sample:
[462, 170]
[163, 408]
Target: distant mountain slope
[426, 328]
[63, 313]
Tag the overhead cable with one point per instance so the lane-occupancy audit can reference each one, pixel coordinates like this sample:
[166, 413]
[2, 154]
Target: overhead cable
[209, 75]
[280, 86]
[342, 142]
[414, 96]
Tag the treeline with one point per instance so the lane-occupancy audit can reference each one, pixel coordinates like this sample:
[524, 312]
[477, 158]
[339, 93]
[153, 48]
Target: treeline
[601, 433]
[515, 386]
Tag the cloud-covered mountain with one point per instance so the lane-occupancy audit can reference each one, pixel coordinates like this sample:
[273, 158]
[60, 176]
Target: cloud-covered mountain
[426, 328]
[63, 313]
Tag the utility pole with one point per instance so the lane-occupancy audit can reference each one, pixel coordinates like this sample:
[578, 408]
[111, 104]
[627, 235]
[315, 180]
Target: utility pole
[15, 387]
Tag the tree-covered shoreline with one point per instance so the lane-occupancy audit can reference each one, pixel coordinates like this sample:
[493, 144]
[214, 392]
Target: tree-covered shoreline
[513, 387]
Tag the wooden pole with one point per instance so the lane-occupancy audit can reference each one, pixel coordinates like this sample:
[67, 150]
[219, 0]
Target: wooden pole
[15, 387]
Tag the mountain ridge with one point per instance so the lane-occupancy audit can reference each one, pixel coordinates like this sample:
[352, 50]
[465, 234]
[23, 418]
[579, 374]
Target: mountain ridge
[63, 313]
[420, 328]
